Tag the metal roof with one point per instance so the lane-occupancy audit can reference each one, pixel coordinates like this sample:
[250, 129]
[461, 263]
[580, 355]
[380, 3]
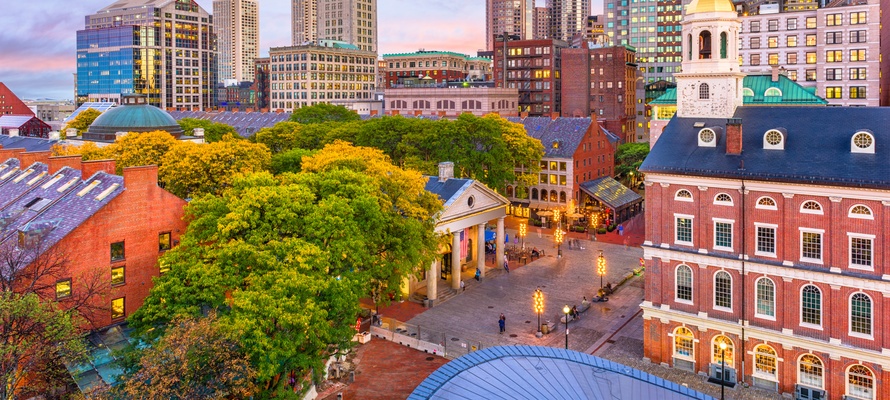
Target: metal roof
[98, 106]
[449, 190]
[611, 192]
[534, 372]
[792, 93]
[14, 121]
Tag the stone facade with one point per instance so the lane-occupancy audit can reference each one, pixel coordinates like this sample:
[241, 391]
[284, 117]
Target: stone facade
[451, 101]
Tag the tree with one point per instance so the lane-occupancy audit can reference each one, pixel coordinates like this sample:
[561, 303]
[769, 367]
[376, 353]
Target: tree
[82, 121]
[628, 159]
[289, 161]
[323, 112]
[195, 359]
[88, 151]
[285, 259]
[140, 148]
[190, 170]
[213, 131]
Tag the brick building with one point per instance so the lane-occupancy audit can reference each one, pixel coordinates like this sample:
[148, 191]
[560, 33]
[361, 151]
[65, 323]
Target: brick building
[10, 104]
[426, 67]
[603, 85]
[533, 67]
[98, 219]
[451, 101]
[766, 235]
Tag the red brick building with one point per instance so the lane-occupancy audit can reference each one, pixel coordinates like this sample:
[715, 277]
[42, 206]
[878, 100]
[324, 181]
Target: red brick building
[97, 219]
[10, 104]
[533, 67]
[602, 85]
[429, 68]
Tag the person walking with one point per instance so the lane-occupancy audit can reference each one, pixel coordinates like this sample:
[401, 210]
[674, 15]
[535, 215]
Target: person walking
[502, 323]
[463, 285]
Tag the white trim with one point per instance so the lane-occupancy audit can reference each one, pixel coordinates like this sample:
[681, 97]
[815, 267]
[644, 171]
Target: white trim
[821, 233]
[870, 215]
[778, 146]
[757, 204]
[731, 233]
[800, 308]
[688, 199]
[871, 322]
[847, 381]
[850, 236]
[820, 211]
[691, 218]
[731, 294]
[856, 149]
[677, 285]
[723, 202]
[822, 377]
[775, 298]
[775, 229]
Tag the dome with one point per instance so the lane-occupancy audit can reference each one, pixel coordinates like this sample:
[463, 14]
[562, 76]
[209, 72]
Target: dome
[703, 6]
[134, 115]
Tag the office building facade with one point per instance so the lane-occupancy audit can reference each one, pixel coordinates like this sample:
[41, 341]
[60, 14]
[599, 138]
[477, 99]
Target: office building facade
[350, 21]
[304, 21]
[653, 29]
[426, 68]
[513, 17]
[236, 23]
[567, 18]
[532, 67]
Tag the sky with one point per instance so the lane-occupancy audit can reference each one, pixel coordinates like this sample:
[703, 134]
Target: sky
[37, 42]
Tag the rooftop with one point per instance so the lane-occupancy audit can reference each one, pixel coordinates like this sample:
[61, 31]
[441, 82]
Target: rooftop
[756, 86]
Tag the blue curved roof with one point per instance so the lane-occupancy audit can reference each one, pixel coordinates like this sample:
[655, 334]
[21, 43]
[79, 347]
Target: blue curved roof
[134, 116]
[535, 372]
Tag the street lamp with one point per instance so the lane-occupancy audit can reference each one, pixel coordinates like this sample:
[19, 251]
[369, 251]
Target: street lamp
[556, 215]
[522, 232]
[539, 305]
[601, 268]
[565, 310]
[722, 368]
[558, 237]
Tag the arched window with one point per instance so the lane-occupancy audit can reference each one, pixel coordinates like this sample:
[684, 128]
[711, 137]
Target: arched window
[811, 305]
[747, 92]
[774, 139]
[860, 383]
[684, 282]
[860, 211]
[534, 194]
[554, 197]
[683, 195]
[810, 371]
[706, 138]
[704, 45]
[727, 355]
[562, 197]
[723, 199]
[811, 207]
[766, 298]
[704, 92]
[689, 46]
[766, 203]
[544, 196]
[860, 314]
[862, 142]
[722, 44]
[772, 92]
[722, 290]
[765, 362]
[509, 191]
[684, 343]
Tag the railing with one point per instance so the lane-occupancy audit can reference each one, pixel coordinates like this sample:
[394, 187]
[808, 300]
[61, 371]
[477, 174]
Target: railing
[427, 340]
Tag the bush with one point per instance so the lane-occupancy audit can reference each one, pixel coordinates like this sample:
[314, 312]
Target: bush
[535, 222]
[611, 227]
[601, 231]
[579, 228]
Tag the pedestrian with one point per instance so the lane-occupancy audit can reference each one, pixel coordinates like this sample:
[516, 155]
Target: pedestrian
[463, 286]
[502, 323]
[506, 266]
[478, 274]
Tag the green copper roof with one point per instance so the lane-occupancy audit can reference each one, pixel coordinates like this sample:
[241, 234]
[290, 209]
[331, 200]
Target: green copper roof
[789, 93]
[337, 44]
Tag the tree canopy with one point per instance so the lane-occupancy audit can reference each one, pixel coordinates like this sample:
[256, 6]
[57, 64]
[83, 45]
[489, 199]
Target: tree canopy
[323, 112]
[628, 159]
[285, 258]
[189, 170]
[82, 121]
[213, 131]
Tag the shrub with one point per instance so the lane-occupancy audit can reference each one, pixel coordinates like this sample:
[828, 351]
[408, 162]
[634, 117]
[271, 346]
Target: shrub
[611, 227]
[601, 231]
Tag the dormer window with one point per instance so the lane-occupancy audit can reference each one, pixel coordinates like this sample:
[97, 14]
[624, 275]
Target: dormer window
[707, 138]
[772, 92]
[811, 207]
[683, 195]
[555, 144]
[862, 142]
[774, 139]
[747, 92]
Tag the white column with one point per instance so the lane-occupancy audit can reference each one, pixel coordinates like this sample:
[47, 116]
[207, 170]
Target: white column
[432, 281]
[500, 244]
[480, 248]
[455, 260]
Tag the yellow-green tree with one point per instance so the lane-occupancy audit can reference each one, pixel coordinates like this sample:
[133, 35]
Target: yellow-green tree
[140, 148]
[82, 121]
[191, 170]
[88, 151]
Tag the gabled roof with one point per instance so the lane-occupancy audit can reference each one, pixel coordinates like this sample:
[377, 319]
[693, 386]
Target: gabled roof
[12, 104]
[14, 121]
[564, 133]
[792, 93]
[449, 190]
[816, 151]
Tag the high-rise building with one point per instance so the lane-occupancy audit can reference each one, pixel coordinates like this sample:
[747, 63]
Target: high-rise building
[304, 18]
[236, 23]
[513, 17]
[568, 17]
[160, 48]
[350, 21]
[652, 29]
[595, 32]
[542, 23]
[533, 67]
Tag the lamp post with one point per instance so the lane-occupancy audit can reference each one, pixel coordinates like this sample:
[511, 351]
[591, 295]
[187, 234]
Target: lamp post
[522, 232]
[565, 310]
[722, 368]
[601, 267]
[558, 237]
[539, 305]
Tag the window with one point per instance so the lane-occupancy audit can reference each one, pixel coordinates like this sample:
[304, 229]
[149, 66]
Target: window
[857, 55]
[747, 92]
[811, 246]
[765, 362]
[791, 24]
[684, 283]
[791, 41]
[766, 298]
[772, 42]
[773, 59]
[857, 74]
[755, 26]
[811, 207]
[833, 92]
[811, 57]
[684, 343]
[706, 137]
[117, 251]
[683, 195]
[755, 59]
[718, 355]
[773, 139]
[858, 36]
[723, 235]
[834, 74]
[722, 290]
[766, 240]
[63, 289]
[857, 92]
[773, 92]
[836, 55]
[811, 305]
[810, 371]
[860, 314]
[858, 18]
[772, 25]
[117, 276]
[860, 383]
[834, 37]
[766, 203]
[704, 92]
[861, 255]
[860, 211]
[684, 230]
[723, 199]
[811, 22]
[862, 142]
[164, 242]
[811, 40]
[834, 19]
[755, 42]
[117, 308]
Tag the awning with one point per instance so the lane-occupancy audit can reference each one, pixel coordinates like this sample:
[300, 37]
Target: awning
[611, 192]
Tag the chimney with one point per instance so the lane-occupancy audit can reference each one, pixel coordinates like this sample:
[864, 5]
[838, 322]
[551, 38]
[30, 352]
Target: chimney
[374, 113]
[198, 132]
[140, 177]
[734, 136]
[57, 163]
[32, 157]
[775, 72]
[70, 133]
[91, 167]
[554, 115]
[13, 132]
[446, 171]
[54, 135]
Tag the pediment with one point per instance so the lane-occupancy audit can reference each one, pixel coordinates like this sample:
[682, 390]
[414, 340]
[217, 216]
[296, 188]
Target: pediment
[483, 200]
